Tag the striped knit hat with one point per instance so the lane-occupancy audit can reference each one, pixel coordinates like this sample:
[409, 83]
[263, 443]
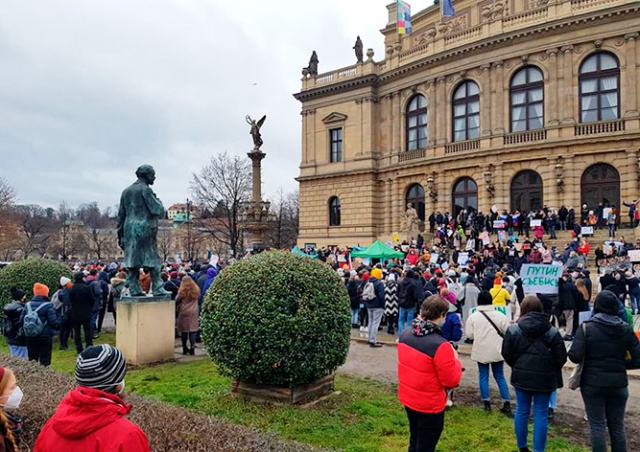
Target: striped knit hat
[101, 367]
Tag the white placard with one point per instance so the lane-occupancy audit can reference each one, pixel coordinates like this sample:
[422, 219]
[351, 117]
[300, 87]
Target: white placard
[463, 258]
[535, 223]
[634, 255]
[506, 310]
[540, 278]
[586, 230]
[584, 315]
[434, 258]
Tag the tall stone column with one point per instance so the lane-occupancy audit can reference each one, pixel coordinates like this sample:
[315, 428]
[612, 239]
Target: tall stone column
[569, 92]
[498, 103]
[388, 113]
[305, 141]
[485, 101]
[396, 120]
[311, 141]
[397, 205]
[552, 113]
[256, 157]
[441, 98]
[388, 207]
[630, 99]
[431, 113]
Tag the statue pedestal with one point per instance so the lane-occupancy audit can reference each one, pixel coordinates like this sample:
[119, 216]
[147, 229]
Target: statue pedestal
[145, 329]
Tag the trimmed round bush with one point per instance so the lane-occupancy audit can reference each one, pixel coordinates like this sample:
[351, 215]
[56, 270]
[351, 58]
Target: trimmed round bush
[24, 274]
[277, 319]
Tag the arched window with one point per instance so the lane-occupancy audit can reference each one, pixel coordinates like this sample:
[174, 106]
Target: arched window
[527, 99]
[526, 192]
[415, 197]
[417, 123]
[600, 183]
[465, 196]
[466, 111]
[334, 211]
[600, 88]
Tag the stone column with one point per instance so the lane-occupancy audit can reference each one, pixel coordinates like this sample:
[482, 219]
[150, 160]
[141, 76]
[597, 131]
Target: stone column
[388, 112]
[397, 126]
[311, 143]
[498, 104]
[388, 208]
[552, 112]
[256, 157]
[441, 94]
[569, 105]
[630, 99]
[431, 113]
[397, 206]
[485, 102]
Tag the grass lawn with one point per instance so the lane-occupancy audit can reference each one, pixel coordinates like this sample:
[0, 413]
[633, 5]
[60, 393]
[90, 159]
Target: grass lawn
[365, 417]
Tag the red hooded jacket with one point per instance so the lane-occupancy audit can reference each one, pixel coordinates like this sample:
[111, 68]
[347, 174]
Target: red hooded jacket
[427, 366]
[90, 420]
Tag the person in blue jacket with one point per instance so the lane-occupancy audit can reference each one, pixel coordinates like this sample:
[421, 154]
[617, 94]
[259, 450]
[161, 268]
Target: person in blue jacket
[39, 347]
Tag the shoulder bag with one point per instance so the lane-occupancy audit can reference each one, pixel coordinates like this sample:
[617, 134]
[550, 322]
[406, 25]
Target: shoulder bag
[500, 333]
[576, 375]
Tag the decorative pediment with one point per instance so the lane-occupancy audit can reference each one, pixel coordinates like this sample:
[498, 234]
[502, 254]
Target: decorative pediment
[334, 117]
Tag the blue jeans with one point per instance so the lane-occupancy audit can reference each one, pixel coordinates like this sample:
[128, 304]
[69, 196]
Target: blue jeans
[635, 302]
[406, 317]
[94, 321]
[605, 407]
[540, 418]
[19, 351]
[354, 315]
[553, 400]
[498, 374]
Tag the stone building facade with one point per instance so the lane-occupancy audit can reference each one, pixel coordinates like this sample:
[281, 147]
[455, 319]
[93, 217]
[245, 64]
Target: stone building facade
[514, 103]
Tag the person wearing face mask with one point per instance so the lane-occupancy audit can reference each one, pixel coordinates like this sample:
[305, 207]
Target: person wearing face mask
[92, 415]
[428, 365]
[10, 398]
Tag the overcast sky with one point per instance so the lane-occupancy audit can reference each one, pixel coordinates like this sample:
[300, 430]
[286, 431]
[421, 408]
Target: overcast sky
[90, 90]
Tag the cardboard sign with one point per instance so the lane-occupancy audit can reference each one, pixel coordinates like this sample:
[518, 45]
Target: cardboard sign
[586, 230]
[463, 258]
[434, 258]
[506, 310]
[485, 238]
[634, 255]
[540, 278]
[502, 237]
[535, 223]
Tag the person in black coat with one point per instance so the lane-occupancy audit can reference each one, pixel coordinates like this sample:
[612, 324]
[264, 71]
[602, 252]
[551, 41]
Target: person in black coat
[607, 347]
[354, 300]
[13, 327]
[82, 301]
[536, 353]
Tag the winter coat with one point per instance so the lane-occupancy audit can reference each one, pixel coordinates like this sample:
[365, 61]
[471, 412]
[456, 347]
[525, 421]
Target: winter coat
[81, 298]
[567, 294]
[535, 352]
[410, 291]
[391, 299]
[211, 276]
[172, 285]
[500, 295]
[96, 291]
[47, 315]
[634, 285]
[487, 344]
[13, 314]
[90, 420]
[188, 313]
[452, 328]
[469, 298]
[604, 350]
[115, 293]
[352, 288]
[378, 301]
[427, 367]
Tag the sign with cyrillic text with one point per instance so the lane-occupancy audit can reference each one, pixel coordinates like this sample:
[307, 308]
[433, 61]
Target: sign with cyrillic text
[540, 278]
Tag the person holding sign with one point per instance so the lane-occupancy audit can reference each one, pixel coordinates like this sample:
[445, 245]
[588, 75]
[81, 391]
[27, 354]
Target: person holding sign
[486, 328]
[536, 354]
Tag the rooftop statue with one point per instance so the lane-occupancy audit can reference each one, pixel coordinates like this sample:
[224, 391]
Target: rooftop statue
[358, 48]
[255, 131]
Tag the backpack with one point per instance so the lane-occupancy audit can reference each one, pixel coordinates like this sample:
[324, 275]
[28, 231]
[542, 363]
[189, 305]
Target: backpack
[368, 293]
[55, 299]
[8, 328]
[32, 324]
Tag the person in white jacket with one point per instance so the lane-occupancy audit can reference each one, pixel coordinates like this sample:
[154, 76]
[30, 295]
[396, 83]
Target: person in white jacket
[486, 328]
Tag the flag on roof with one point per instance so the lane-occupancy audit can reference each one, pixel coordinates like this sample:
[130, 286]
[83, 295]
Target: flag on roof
[404, 18]
[447, 8]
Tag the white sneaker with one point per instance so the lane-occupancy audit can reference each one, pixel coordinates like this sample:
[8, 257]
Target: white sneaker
[585, 417]
[363, 329]
[449, 403]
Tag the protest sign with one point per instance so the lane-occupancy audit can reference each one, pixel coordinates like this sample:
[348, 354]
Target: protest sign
[586, 230]
[498, 224]
[502, 237]
[506, 310]
[434, 258]
[471, 244]
[582, 316]
[540, 278]
[485, 238]
[634, 255]
[535, 223]
[463, 258]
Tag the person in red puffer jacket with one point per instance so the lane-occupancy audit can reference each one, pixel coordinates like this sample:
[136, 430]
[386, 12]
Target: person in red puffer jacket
[428, 365]
[91, 417]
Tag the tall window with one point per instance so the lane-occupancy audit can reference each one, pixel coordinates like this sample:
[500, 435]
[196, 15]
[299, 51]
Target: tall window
[600, 88]
[527, 100]
[334, 211]
[464, 196]
[466, 111]
[417, 123]
[335, 138]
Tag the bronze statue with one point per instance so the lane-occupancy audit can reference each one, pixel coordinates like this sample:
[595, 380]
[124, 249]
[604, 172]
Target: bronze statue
[255, 131]
[312, 69]
[138, 217]
[358, 48]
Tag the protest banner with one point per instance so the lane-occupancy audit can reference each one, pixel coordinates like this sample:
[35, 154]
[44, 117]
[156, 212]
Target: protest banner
[506, 310]
[540, 278]
[463, 258]
[498, 224]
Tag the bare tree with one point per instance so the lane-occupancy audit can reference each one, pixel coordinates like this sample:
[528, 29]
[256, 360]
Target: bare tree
[7, 195]
[165, 242]
[220, 187]
[284, 228]
[35, 229]
[70, 241]
[99, 228]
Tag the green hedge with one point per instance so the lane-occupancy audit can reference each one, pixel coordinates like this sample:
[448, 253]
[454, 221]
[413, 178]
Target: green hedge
[24, 274]
[277, 319]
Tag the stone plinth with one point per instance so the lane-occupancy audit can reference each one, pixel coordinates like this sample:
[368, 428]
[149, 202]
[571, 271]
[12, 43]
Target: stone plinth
[145, 329]
[280, 395]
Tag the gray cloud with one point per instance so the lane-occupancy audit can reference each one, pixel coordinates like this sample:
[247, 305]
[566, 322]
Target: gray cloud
[91, 90]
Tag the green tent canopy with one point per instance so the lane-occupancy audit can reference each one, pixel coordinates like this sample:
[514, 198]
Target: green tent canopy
[379, 251]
